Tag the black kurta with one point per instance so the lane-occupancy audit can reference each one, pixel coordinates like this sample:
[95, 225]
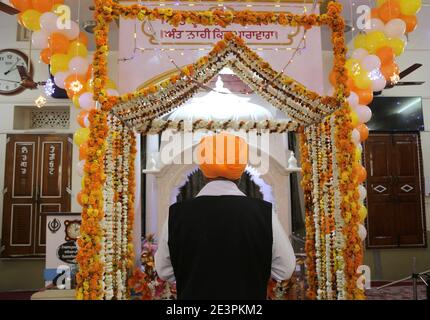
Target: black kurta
[221, 247]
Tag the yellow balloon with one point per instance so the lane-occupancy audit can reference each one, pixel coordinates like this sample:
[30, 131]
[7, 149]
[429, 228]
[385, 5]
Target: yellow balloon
[90, 85]
[31, 19]
[354, 118]
[362, 80]
[83, 183]
[81, 136]
[360, 41]
[353, 66]
[410, 7]
[380, 2]
[397, 44]
[375, 41]
[110, 84]
[76, 101]
[77, 48]
[357, 155]
[59, 62]
[362, 213]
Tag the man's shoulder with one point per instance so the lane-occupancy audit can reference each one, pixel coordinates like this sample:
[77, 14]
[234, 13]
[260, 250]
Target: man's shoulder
[207, 200]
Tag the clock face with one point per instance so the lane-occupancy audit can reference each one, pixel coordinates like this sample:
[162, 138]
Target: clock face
[9, 76]
[72, 230]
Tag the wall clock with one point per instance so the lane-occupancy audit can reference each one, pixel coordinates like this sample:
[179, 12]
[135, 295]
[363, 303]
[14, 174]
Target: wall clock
[10, 80]
[72, 229]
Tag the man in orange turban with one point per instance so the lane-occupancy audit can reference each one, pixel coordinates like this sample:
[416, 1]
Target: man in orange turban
[222, 244]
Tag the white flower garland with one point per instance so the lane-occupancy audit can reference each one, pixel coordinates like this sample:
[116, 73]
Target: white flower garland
[339, 221]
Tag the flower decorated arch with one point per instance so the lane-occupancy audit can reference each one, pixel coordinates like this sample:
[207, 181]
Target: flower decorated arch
[331, 169]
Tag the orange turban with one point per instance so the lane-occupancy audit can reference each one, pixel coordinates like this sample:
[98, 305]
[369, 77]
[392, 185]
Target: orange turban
[223, 155]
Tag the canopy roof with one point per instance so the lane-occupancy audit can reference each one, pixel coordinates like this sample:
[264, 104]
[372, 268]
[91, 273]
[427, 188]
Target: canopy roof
[303, 106]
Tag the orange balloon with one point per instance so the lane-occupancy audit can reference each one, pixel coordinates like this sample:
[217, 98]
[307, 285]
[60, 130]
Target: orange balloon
[389, 10]
[21, 5]
[365, 96]
[82, 38]
[74, 84]
[83, 151]
[364, 132]
[386, 54]
[89, 73]
[374, 14]
[360, 172]
[58, 43]
[390, 72]
[45, 55]
[81, 118]
[411, 22]
[42, 5]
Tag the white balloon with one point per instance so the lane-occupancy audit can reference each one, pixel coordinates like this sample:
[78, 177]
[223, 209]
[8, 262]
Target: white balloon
[73, 32]
[371, 62]
[112, 92]
[360, 147]
[376, 25]
[395, 28]
[78, 64]
[359, 53]
[355, 136]
[60, 78]
[80, 168]
[48, 22]
[363, 192]
[379, 84]
[86, 101]
[353, 99]
[364, 113]
[362, 232]
[39, 40]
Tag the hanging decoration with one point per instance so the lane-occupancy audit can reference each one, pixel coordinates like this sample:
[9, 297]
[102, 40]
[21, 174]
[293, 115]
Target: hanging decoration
[372, 66]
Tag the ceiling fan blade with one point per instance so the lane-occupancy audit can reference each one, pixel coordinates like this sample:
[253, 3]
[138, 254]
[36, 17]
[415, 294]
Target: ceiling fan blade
[410, 83]
[23, 73]
[8, 9]
[409, 70]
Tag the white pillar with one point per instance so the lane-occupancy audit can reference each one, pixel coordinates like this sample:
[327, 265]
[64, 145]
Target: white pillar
[137, 226]
[152, 145]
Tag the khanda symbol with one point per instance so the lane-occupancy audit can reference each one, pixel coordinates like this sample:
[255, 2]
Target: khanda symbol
[54, 225]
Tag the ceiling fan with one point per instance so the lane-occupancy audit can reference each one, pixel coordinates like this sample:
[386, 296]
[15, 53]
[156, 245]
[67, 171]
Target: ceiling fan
[8, 9]
[27, 80]
[402, 75]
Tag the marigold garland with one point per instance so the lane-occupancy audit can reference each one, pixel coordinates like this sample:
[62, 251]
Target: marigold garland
[331, 198]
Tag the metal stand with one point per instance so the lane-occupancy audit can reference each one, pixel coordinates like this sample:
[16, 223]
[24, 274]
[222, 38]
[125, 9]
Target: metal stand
[414, 276]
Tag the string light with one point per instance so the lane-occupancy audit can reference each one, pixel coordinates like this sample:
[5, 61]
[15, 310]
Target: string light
[49, 87]
[40, 102]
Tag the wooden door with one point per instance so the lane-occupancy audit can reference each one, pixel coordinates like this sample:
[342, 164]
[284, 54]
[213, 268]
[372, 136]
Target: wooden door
[395, 195]
[37, 180]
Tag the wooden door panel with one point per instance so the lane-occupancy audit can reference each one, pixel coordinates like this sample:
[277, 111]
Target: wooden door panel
[54, 182]
[381, 223]
[24, 164]
[20, 189]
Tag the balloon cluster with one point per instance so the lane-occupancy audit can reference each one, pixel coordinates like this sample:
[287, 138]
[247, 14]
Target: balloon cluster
[64, 48]
[372, 66]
